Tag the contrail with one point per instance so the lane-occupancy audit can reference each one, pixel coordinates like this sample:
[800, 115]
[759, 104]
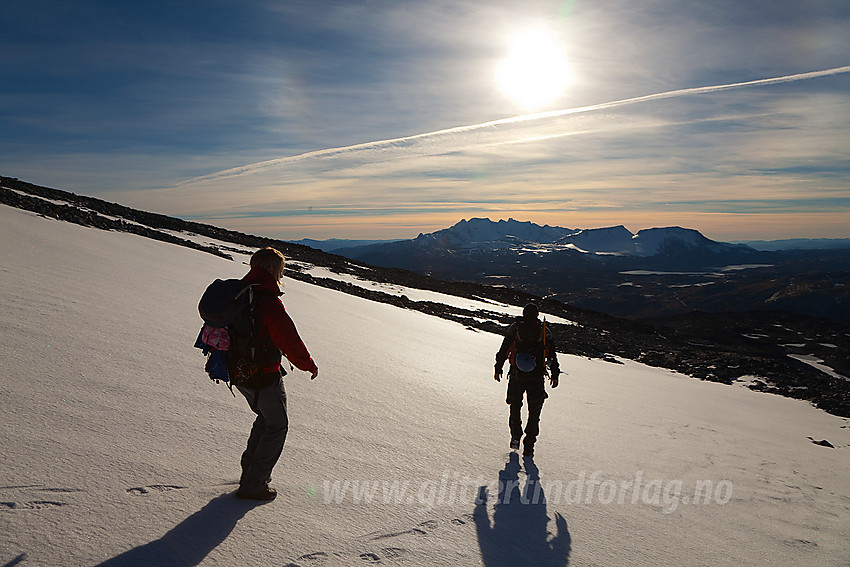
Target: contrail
[405, 140]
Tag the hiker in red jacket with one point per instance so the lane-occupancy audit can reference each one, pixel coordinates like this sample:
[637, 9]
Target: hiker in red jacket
[265, 393]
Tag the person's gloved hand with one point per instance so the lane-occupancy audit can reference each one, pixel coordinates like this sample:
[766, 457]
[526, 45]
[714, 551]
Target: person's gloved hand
[553, 380]
[498, 375]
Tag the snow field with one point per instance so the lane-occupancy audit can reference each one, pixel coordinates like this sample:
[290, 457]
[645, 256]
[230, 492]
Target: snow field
[119, 451]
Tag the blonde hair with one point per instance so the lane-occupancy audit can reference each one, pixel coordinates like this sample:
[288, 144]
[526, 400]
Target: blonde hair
[269, 259]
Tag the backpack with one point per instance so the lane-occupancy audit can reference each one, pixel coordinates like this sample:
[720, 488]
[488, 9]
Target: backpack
[230, 335]
[528, 350]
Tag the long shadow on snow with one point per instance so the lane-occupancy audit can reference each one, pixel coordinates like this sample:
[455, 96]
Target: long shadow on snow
[519, 534]
[190, 541]
[17, 560]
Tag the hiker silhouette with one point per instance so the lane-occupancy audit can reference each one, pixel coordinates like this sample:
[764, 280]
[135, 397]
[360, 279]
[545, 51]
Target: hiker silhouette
[190, 541]
[519, 531]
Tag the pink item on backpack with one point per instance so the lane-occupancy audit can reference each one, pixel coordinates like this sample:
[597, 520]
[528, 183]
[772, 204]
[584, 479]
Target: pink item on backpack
[215, 337]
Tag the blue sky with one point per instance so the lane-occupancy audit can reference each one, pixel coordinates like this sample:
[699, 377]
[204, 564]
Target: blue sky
[383, 119]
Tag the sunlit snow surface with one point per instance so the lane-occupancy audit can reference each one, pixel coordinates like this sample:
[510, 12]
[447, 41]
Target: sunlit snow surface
[117, 450]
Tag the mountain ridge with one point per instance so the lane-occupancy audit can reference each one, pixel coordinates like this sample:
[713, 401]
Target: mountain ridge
[673, 248]
[654, 273]
[706, 354]
[482, 234]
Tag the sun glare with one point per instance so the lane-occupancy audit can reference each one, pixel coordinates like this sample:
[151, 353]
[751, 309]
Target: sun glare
[535, 72]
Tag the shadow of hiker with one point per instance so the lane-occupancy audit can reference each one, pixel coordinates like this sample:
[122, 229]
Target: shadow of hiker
[519, 533]
[17, 560]
[190, 541]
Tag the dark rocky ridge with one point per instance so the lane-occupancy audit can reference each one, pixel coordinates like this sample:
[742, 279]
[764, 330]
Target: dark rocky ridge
[704, 348]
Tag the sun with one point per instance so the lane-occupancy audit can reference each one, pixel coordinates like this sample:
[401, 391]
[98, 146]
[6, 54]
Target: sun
[536, 72]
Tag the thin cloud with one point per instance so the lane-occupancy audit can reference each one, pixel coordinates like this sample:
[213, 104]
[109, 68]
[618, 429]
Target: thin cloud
[414, 140]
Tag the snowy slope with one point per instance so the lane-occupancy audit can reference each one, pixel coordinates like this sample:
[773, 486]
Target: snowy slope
[647, 242]
[615, 239]
[117, 450]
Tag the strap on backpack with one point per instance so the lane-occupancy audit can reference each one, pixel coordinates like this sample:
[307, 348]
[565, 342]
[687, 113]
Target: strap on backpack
[545, 355]
[541, 338]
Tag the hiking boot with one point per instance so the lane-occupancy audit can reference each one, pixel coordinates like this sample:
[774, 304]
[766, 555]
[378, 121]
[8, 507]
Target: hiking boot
[515, 444]
[265, 493]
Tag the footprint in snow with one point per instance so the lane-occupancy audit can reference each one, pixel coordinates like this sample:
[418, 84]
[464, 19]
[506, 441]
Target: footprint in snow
[385, 553]
[140, 490]
[423, 528]
[40, 488]
[393, 552]
[31, 505]
[315, 558]
[372, 557]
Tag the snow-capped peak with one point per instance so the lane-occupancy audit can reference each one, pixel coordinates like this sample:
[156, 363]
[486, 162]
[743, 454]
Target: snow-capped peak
[651, 241]
[483, 231]
[614, 239]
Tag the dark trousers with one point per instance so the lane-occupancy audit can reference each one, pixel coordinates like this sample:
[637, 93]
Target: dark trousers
[268, 434]
[531, 387]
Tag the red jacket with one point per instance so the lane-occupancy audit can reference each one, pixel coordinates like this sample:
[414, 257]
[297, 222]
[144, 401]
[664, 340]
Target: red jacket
[277, 323]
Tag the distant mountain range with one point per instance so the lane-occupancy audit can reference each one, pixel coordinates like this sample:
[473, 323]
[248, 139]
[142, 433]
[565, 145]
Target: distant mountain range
[798, 244]
[334, 244]
[791, 354]
[654, 273]
[679, 247]
[483, 233]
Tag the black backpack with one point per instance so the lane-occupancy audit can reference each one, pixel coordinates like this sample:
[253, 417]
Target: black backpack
[529, 346]
[231, 333]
